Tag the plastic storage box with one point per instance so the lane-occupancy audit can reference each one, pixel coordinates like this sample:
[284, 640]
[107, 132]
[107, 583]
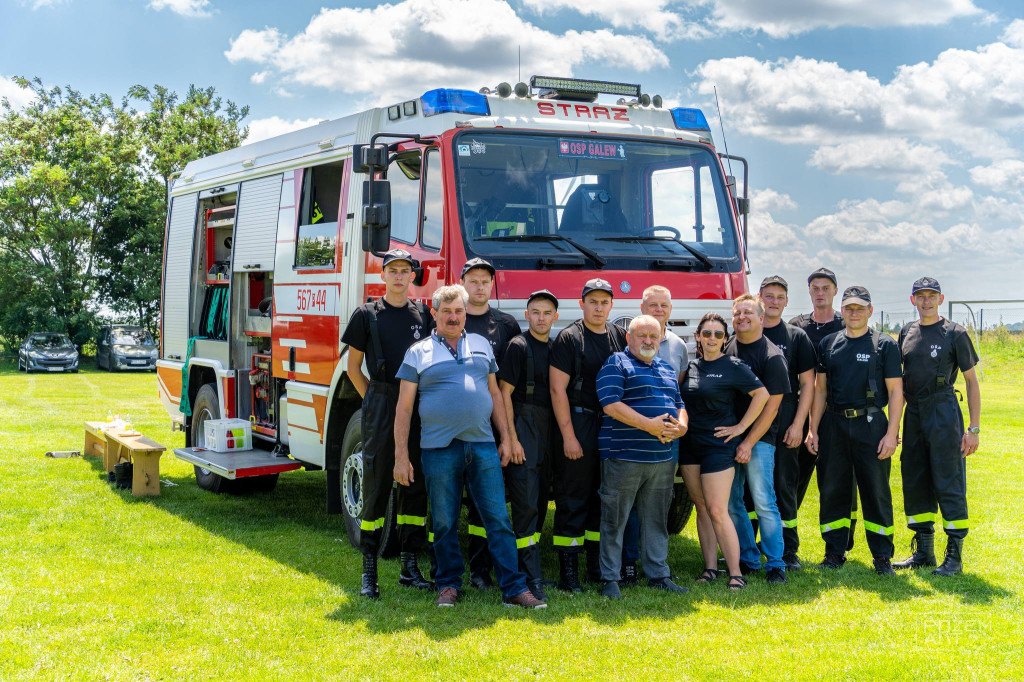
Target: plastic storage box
[228, 435]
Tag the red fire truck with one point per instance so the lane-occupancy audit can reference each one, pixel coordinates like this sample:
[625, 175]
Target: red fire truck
[271, 246]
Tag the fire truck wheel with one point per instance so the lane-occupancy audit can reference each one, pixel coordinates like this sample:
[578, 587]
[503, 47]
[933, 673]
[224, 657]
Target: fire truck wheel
[204, 408]
[352, 476]
[680, 509]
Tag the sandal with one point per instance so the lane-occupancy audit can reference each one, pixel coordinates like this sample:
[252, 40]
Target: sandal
[737, 582]
[709, 575]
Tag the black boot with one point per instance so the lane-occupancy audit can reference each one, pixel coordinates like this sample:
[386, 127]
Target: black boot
[951, 565]
[410, 575]
[568, 572]
[593, 562]
[922, 546]
[537, 588]
[370, 589]
[433, 560]
[629, 574]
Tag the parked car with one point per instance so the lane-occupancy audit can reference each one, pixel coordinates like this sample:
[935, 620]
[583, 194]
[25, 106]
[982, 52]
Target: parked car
[48, 352]
[125, 346]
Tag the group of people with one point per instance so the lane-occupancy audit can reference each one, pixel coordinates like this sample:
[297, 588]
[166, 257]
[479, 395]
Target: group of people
[459, 399]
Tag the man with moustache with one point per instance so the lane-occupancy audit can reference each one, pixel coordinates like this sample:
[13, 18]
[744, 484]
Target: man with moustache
[577, 355]
[498, 328]
[793, 410]
[533, 436]
[644, 416]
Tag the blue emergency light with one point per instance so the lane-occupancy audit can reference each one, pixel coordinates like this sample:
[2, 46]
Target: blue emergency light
[690, 119]
[447, 100]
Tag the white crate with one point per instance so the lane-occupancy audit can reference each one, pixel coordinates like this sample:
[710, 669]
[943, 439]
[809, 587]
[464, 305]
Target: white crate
[228, 435]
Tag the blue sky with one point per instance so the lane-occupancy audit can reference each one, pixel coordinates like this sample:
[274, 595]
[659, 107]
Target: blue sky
[885, 138]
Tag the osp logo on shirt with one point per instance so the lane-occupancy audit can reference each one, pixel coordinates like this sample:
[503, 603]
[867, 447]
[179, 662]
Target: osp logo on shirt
[863, 357]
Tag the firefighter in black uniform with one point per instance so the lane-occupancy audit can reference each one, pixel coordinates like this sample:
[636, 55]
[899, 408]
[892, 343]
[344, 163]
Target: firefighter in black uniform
[793, 410]
[858, 374]
[935, 445]
[382, 331]
[499, 328]
[823, 320]
[523, 378]
[577, 355]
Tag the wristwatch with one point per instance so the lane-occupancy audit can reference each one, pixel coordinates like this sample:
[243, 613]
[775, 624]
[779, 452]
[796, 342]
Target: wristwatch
[974, 429]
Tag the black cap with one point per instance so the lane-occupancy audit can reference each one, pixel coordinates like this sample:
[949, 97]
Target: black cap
[597, 284]
[926, 284]
[856, 295]
[477, 263]
[823, 272]
[774, 279]
[399, 254]
[543, 293]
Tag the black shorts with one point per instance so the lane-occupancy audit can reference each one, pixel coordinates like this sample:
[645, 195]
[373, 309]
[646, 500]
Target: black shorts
[711, 456]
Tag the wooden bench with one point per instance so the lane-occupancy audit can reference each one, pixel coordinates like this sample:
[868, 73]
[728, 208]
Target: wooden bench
[95, 439]
[144, 455]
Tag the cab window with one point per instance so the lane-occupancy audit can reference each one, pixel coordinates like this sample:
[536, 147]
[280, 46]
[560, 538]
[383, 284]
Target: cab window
[316, 238]
[432, 229]
[404, 174]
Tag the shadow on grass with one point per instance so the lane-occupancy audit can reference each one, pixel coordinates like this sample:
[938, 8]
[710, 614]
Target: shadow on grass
[290, 526]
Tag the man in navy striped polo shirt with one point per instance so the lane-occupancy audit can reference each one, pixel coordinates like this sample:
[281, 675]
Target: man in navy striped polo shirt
[644, 413]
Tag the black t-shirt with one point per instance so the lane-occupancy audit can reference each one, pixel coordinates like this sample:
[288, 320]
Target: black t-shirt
[796, 346]
[846, 368]
[399, 328]
[769, 365]
[926, 354]
[816, 331]
[710, 391]
[594, 349]
[497, 327]
[513, 369]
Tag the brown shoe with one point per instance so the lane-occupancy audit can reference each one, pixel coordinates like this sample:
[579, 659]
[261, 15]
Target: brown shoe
[447, 596]
[526, 600]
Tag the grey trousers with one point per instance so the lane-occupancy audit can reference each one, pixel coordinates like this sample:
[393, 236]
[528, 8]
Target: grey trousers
[649, 485]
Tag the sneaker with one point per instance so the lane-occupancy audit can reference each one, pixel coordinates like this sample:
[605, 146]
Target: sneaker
[611, 590]
[792, 561]
[833, 561]
[883, 566]
[667, 585]
[775, 576]
[537, 587]
[525, 600]
[747, 570]
[447, 596]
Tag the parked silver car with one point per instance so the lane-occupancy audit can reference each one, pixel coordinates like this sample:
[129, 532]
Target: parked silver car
[123, 346]
[48, 352]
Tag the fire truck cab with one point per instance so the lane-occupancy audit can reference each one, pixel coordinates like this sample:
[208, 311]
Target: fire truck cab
[271, 246]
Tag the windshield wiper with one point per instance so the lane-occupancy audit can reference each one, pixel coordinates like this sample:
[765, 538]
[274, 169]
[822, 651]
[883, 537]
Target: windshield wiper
[705, 261]
[589, 253]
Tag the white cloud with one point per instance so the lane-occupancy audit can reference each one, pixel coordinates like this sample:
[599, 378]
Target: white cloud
[186, 8]
[15, 94]
[782, 19]
[1005, 175]
[258, 77]
[882, 156]
[767, 199]
[37, 4]
[969, 97]
[651, 15]
[262, 128]
[1014, 33]
[414, 45]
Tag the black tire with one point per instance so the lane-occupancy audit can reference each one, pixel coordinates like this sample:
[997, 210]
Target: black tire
[680, 510]
[255, 484]
[352, 490]
[204, 408]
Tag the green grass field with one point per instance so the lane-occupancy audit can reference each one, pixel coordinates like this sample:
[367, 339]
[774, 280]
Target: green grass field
[190, 585]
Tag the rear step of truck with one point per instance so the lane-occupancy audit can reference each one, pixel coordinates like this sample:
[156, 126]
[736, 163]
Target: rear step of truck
[232, 465]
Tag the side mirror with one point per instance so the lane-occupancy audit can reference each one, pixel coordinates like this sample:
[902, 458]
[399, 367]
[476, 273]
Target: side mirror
[742, 205]
[367, 158]
[376, 216]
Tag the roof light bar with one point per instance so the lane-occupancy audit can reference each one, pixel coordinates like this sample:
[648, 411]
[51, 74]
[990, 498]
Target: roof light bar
[579, 86]
[690, 119]
[446, 101]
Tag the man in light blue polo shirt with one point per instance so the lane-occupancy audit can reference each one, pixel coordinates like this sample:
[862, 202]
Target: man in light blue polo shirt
[644, 414]
[454, 374]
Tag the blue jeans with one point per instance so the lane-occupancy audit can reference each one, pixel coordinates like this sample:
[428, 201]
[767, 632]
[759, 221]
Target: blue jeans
[759, 475]
[477, 467]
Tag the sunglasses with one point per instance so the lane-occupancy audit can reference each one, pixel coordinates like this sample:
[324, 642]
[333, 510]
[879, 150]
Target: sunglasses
[717, 333]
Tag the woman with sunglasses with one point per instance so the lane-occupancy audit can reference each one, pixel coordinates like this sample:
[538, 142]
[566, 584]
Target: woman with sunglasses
[709, 388]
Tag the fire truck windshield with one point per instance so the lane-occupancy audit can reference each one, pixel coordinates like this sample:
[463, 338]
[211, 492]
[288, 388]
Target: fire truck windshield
[602, 202]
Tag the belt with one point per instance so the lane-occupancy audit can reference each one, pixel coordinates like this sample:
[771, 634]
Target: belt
[853, 412]
[582, 410]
